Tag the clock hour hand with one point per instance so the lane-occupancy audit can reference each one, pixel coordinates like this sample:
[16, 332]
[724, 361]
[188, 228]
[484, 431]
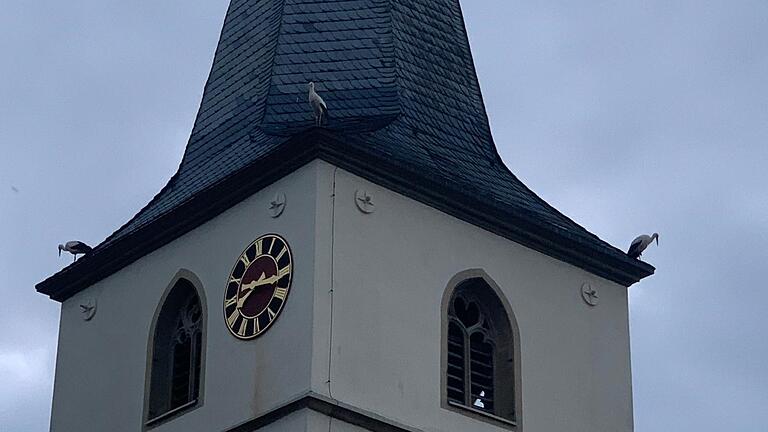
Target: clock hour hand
[248, 287]
[247, 291]
[265, 281]
[251, 286]
[260, 282]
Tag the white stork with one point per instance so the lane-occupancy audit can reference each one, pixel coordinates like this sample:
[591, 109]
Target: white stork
[640, 244]
[75, 248]
[318, 105]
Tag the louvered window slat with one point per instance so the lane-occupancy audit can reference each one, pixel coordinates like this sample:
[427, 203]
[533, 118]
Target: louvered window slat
[481, 365]
[180, 375]
[456, 365]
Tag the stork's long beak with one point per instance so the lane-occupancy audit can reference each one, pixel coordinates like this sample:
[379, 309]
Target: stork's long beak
[657, 241]
[59, 251]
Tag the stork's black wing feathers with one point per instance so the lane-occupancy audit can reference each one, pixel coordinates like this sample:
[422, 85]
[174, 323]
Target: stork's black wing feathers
[634, 249]
[81, 248]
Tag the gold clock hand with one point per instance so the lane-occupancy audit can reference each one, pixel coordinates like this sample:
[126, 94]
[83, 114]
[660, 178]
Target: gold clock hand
[248, 286]
[247, 291]
[243, 298]
[267, 281]
[263, 280]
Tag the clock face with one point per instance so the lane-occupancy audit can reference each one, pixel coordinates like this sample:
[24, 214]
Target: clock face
[258, 287]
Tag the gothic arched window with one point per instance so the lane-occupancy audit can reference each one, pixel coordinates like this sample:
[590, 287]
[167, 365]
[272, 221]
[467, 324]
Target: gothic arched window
[480, 352]
[176, 354]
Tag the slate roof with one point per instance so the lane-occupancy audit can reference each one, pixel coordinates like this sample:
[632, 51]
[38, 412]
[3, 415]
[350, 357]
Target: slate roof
[405, 111]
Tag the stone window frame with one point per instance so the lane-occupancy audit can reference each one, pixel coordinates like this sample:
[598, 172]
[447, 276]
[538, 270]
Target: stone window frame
[182, 276]
[512, 347]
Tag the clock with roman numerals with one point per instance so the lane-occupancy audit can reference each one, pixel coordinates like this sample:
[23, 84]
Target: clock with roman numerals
[258, 287]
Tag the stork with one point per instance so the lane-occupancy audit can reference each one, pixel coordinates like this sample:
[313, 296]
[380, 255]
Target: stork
[75, 248]
[318, 105]
[642, 242]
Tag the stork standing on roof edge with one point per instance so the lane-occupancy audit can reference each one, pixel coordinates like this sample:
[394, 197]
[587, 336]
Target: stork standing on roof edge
[318, 105]
[641, 243]
[75, 248]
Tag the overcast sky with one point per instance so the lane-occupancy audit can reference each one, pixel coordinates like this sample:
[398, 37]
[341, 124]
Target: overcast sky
[629, 116]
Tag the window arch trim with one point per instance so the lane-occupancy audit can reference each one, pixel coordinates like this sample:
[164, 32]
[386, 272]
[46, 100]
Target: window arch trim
[191, 278]
[455, 283]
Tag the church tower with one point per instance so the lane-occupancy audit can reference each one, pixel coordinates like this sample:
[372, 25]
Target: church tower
[383, 271]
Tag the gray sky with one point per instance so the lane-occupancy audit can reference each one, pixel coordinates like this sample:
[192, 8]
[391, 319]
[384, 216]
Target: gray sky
[630, 117]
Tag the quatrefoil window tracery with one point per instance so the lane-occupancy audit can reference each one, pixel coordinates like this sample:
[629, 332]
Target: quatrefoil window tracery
[188, 323]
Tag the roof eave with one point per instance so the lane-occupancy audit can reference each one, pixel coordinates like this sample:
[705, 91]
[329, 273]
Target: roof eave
[615, 267]
[300, 150]
[206, 205]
